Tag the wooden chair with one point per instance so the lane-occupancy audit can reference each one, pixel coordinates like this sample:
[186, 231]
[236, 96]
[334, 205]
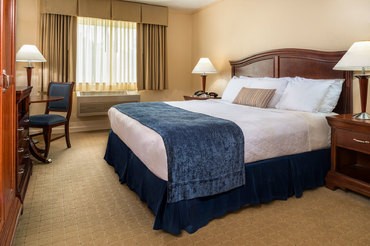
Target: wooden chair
[47, 121]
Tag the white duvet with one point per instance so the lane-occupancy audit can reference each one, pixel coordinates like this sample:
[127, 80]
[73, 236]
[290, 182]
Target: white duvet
[267, 133]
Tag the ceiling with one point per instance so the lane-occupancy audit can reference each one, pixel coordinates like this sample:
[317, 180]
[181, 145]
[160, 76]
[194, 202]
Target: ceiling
[190, 5]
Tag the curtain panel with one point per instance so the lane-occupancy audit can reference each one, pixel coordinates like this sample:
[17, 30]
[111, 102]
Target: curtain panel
[58, 42]
[108, 9]
[152, 57]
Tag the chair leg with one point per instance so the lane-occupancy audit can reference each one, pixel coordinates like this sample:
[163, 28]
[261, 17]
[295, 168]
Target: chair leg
[47, 139]
[66, 133]
[45, 136]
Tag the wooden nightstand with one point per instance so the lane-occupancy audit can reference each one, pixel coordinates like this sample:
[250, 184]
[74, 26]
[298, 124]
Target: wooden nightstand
[187, 98]
[350, 154]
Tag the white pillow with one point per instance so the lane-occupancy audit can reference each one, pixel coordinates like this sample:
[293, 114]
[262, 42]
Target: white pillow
[279, 84]
[331, 98]
[233, 87]
[303, 95]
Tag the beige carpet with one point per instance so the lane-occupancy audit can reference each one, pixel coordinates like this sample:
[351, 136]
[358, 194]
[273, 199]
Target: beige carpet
[78, 200]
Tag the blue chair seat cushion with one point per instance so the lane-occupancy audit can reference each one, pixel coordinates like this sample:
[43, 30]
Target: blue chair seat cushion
[46, 119]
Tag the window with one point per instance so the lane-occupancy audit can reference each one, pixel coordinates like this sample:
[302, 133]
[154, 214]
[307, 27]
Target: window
[106, 53]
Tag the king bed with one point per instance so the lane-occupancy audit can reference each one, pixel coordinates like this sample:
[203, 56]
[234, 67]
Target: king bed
[195, 161]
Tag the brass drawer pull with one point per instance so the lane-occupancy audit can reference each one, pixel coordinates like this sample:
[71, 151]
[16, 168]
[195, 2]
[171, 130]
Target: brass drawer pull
[20, 150]
[26, 156]
[21, 129]
[361, 141]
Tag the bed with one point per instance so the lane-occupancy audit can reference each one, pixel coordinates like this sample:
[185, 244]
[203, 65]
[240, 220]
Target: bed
[264, 179]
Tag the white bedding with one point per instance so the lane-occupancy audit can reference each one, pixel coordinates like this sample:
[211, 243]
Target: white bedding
[267, 132]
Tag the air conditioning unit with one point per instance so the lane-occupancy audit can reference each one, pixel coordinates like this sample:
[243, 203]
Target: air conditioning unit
[98, 102]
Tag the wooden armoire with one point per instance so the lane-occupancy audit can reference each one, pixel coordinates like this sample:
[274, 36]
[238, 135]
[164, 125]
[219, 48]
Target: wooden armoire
[10, 205]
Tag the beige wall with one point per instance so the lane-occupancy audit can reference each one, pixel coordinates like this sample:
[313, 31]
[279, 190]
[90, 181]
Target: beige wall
[179, 61]
[27, 32]
[226, 30]
[233, 29]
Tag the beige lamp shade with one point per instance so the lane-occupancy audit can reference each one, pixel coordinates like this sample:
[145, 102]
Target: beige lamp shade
[204, 66]
[29, 53]
[357, 58]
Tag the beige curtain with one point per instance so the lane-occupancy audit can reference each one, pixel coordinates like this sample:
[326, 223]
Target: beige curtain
[152, 57]
[58, 42]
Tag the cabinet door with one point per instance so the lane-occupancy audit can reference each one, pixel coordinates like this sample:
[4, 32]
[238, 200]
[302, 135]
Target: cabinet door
[7, 109]
[1, 163]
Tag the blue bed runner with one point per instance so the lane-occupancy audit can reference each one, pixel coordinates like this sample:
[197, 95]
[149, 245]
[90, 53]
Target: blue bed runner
[205, 154]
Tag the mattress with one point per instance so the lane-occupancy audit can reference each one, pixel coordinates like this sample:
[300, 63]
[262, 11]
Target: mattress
[268, 133]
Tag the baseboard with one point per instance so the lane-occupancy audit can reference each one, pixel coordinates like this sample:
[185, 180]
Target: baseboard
[82, 126]
[82, 129]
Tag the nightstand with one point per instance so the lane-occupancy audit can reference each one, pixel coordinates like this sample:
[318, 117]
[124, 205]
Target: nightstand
[187, 98]
[350, 154]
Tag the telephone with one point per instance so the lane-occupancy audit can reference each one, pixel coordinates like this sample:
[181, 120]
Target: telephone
[213, 94]
[201, 93]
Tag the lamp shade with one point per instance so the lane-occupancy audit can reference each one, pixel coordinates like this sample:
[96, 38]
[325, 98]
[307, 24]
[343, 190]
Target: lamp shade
[204, 66]
[357, 58]
[29, 53]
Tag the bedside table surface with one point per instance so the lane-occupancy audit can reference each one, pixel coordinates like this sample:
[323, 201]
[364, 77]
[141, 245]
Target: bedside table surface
[348, 117]
[199, 98]
[348, 122]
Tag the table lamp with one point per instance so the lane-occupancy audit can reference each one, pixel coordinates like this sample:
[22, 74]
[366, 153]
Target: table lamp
[29, 53]
[357, 58]
[204, 67]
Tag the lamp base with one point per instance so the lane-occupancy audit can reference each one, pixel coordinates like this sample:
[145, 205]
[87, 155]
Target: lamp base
[204, 78]
[29, 75]
[362, 116]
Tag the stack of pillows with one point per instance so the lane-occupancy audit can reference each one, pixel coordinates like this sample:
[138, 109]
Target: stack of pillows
[301, 94]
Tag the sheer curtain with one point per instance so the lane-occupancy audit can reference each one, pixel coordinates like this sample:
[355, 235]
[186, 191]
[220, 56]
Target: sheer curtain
[106, 54]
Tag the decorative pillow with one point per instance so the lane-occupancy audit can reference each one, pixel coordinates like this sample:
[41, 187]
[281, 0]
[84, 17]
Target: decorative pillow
[233, 87]
[331, 98]
[279, 84]
[303, 95]
[254, 97]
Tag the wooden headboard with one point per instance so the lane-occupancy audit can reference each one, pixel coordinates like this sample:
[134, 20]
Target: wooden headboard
[298, 62]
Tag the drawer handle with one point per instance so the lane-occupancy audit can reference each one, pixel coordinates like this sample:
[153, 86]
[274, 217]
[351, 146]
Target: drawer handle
[26, 139]
[21, 171]
[26, 120]
[20, 150]
[21, 129]
[26, 156]
[361, 141]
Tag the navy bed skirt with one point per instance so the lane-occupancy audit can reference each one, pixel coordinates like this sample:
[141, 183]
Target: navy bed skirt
[266, 180]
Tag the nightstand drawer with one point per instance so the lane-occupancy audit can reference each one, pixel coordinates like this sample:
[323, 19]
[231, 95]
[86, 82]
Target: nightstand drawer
[353, 140]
